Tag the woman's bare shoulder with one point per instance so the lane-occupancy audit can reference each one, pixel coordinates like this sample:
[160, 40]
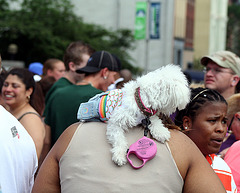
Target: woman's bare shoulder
[178, 137]
[184, 151]
[192, 164]
[181, 144]
[30, 118]
[29, 113]
[64, 140]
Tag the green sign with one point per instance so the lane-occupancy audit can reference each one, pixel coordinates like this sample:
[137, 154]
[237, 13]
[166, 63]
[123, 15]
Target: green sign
[140, 20]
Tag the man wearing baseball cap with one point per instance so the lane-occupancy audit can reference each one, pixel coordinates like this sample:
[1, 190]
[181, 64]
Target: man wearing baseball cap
[222, 72]
[99, 74]
[106, 64]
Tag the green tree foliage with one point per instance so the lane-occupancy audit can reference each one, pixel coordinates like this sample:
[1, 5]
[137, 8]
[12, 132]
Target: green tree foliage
[233, 29]
[42, 29]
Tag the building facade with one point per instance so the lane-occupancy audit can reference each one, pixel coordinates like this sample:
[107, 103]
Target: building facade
[183, 32]
[149, 54]
[210, 26]
[188, 29]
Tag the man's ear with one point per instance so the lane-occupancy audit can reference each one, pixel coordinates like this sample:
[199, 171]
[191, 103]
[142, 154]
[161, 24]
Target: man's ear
[72, 66]
[237, 115]
[187, 123]
[49, 72]
[104, 72]
[235, 80]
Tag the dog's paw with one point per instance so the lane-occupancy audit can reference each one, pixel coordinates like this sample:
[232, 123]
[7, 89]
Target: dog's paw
[158, 130]
[161, 135]
[120, 157]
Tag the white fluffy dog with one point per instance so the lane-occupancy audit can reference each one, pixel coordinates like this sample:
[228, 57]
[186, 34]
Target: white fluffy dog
[160, 91]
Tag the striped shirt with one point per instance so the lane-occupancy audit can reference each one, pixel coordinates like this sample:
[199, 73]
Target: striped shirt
[223, 171]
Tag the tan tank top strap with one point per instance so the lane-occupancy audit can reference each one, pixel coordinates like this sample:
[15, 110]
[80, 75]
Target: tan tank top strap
[173, 159]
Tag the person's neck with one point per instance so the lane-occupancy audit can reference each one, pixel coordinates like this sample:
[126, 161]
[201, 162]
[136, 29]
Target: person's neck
[70, 76]
[84, 82]
[16, 110]
[91, 80]
[226, 94]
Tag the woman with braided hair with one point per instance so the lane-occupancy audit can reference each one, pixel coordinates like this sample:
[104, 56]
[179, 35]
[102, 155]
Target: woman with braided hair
[204, 121]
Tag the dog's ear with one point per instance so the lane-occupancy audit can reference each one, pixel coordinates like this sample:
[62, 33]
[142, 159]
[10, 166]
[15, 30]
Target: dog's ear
[165, 88]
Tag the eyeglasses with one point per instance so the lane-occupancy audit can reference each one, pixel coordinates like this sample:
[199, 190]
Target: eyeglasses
[216, 70]
[229, 127]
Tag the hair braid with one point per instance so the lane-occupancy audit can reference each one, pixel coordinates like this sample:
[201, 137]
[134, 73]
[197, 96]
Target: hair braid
[199, 97]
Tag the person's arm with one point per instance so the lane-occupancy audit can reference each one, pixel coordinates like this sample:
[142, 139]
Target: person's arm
[46, 145]
[35, 127]
[47, 179]
[223, 152]
[196, 171]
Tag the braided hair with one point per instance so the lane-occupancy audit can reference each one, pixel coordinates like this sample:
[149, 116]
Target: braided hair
[199, 96]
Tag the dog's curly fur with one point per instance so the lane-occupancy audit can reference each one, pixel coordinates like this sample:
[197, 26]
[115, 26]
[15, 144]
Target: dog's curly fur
[164, 89]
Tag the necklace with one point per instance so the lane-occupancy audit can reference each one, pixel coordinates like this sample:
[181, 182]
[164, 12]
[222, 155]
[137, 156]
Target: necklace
[211, 160]
[84, 82]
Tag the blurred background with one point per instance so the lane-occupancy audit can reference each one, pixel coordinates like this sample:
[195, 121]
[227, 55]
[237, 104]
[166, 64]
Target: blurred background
[145, 35]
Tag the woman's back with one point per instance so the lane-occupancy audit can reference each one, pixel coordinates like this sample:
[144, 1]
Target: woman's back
[90, 148]
[81, 162]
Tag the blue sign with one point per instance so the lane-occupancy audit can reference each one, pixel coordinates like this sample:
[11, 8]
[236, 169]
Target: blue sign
[154, 21]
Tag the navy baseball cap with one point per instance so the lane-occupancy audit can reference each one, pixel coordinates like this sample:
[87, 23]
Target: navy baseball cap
[98, 61]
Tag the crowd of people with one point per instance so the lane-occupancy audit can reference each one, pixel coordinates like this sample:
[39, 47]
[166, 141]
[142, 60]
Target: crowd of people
[44, 147]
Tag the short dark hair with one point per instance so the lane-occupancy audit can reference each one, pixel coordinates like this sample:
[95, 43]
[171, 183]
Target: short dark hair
[1, 82]
[49, 65]
[26, 77]
[74, 53]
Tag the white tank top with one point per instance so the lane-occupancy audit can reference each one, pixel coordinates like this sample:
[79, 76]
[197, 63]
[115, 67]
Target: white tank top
[18, 157]
[86, 166]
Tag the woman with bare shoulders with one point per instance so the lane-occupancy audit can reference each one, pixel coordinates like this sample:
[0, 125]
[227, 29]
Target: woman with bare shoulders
[204, 121]
[80, 161]
[17, 92]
